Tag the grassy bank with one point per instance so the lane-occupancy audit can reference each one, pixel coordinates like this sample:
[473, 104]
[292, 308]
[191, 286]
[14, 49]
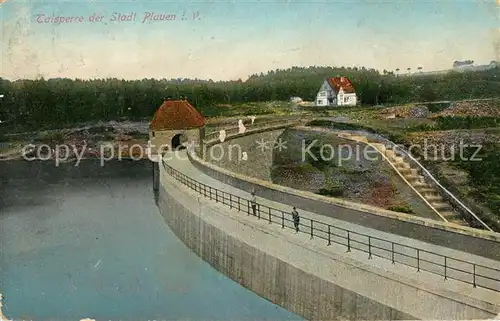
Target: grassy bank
[359, 179]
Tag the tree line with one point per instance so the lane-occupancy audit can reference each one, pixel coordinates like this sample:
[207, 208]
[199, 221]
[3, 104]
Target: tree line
[60, 101]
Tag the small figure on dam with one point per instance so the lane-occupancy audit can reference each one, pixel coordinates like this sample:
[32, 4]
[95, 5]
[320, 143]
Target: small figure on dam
[254, 204]
[296, 219]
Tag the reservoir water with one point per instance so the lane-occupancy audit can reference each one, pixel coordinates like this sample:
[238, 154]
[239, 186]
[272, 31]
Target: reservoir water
[89, 242]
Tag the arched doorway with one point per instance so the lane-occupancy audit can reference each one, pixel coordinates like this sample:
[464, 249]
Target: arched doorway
[178, 142]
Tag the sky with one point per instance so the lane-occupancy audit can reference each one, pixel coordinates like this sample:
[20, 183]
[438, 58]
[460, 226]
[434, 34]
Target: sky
[224, 40]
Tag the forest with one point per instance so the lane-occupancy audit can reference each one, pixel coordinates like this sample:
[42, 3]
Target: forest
[52, 103]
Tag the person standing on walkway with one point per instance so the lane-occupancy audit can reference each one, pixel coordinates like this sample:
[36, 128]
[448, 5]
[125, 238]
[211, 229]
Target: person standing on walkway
[296, 219]
[254, 204]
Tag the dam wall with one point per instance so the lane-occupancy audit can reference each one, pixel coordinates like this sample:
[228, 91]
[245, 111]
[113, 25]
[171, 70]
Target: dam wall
[300, 274]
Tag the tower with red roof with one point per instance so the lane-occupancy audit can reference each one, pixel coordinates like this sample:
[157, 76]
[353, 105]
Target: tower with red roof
[175, 125]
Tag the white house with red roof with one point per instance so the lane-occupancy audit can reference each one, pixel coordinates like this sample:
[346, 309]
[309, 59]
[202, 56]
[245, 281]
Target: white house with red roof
[336, 91]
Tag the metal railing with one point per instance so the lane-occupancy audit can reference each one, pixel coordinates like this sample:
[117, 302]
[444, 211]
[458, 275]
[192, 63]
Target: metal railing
[472, 218]
[234, 130]
[422, 260]
[466, 213]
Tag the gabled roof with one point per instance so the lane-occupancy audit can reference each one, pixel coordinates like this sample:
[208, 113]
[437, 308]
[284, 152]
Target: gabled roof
[344, 82]
[176, 114]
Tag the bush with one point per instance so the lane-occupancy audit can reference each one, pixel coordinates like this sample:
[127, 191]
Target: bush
[397, 138]
[305, 168]
[458, 122]
[339, 125]
[52, 138]
[331, 189]
[137, 135]
[333, 192]
[402, 208]
[101, 130]
[350, 170]
[437, 107]
[466, 122]
[319, 163]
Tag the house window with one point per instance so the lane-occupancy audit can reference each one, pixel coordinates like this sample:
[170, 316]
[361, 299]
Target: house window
[319, 102]
[346, 99]
[153, 134]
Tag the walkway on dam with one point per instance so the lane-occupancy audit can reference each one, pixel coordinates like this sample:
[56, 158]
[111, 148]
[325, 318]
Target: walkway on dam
[181, 163]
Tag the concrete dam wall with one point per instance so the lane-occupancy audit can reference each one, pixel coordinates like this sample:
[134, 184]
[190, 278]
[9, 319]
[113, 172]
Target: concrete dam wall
[297, 273]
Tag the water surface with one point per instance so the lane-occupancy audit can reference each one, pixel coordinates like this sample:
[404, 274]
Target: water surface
[88, 241]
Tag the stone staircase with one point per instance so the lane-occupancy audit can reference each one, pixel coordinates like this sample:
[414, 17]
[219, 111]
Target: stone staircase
[412, 177]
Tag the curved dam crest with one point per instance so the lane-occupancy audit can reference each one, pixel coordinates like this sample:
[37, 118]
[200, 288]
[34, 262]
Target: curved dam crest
[362, 289]
[229, 246]
[300, 273]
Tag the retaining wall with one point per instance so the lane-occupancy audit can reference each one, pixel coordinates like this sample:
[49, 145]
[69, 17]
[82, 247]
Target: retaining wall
[258, 163]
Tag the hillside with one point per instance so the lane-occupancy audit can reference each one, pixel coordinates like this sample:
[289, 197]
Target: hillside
[436, 135]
